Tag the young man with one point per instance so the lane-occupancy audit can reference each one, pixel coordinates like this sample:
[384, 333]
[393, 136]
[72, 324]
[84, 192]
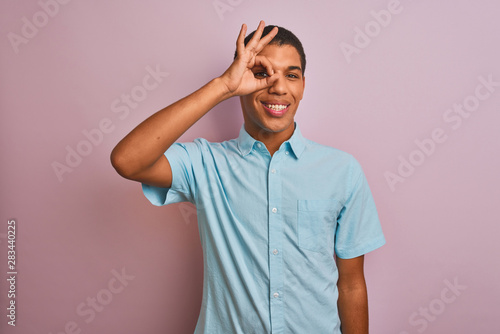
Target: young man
[273, 207]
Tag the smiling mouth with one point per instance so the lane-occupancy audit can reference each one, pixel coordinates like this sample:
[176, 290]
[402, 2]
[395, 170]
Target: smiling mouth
[276, 109]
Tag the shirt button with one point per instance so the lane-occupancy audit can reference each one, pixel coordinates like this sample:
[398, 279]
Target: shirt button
[273, 171]
[259, 145]
[275, 252]
[286, 152]
[276, 295]
[274, 210]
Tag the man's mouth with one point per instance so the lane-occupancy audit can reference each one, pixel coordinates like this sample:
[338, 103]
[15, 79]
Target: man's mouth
[275, 109]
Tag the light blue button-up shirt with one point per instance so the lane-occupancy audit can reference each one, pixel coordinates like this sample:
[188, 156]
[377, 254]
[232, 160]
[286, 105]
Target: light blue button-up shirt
[269, 228]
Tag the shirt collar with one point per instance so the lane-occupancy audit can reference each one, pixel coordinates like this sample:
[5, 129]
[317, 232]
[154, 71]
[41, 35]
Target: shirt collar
[296, 142]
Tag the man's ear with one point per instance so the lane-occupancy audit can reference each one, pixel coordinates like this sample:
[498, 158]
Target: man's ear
[303, 87]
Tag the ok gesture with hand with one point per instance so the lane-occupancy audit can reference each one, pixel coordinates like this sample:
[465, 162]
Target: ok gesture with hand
[239, 78]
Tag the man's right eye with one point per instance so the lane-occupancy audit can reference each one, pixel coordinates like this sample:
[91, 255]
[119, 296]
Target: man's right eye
[260, 74]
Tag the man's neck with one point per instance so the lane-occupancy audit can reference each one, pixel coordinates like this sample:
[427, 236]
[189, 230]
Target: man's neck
[272, 140]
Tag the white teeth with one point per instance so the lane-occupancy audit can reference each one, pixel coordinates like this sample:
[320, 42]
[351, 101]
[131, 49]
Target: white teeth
[276, 107]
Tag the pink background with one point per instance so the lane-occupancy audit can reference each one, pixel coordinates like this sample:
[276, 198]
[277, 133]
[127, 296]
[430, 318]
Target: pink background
[75, 230]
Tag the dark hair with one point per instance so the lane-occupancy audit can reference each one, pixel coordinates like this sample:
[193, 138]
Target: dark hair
[283, 37]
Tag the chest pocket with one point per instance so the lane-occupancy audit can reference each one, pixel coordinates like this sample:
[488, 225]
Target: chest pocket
[316, 223]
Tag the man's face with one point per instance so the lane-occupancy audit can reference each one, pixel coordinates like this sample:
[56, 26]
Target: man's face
[272, 110]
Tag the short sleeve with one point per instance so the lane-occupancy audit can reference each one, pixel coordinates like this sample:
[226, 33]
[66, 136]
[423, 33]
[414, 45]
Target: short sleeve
[182, 158]
[358, 227]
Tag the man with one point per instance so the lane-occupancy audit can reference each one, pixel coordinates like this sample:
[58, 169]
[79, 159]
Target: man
[273, 207]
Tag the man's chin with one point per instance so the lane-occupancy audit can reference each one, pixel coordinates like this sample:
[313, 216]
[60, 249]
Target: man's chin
[277, 126]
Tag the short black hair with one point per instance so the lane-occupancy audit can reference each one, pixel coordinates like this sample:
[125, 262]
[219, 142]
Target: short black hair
[283, 37]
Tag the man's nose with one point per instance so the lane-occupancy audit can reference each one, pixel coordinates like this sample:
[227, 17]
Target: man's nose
[279, 86]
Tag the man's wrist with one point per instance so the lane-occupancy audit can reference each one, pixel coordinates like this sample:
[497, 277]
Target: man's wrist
[221, 88]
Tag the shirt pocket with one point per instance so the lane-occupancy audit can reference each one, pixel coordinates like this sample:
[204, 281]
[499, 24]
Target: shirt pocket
[317, 220]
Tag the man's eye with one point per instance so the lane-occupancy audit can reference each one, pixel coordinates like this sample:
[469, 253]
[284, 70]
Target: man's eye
[294, 76]
[260, 74]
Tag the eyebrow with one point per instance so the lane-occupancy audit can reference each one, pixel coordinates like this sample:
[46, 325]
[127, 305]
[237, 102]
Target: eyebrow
[291, 68]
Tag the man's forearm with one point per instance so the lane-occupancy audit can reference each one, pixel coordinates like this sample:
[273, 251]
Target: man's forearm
[353, 309]
[144, 145]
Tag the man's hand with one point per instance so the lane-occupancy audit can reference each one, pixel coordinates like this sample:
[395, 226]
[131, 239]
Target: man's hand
[239, 78]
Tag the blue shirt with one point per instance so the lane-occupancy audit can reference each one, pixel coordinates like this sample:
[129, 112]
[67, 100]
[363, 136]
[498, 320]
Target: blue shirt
[269, 227]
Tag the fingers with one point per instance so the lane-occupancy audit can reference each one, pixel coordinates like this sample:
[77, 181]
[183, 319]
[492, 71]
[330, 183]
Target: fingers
[270, 80]
[256, 42]
[264, 62]
[268, 38]
[240, 42]
[258, 33]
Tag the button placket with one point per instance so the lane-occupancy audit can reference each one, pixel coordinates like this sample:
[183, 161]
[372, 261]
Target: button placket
[275, 242]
